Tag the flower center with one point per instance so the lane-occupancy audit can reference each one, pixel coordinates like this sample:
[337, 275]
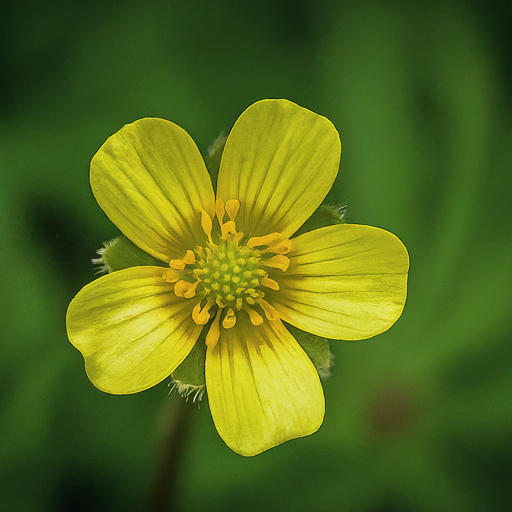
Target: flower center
[228, 277]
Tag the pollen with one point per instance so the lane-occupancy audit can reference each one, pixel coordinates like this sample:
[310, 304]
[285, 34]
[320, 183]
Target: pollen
[227, 277]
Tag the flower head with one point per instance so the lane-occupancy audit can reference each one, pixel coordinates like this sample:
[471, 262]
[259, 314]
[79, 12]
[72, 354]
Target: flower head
[233, 269]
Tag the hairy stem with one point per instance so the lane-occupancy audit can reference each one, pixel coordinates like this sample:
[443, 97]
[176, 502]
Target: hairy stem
[174, 427]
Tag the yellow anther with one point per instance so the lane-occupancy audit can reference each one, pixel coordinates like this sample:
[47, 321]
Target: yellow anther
[171, 275]
[256, 318]
[214, 333]
[177, 264]
[196, 313]
[232, 207]
[201, 316]
[270, 311]
[201, 272]
[189, 258]
[191, 291]
[270, 283]
[278, 261]
[206, 224]
[227, 228]
[226, 275]
[283, 247]
[256, 241]
[219, 210]
[229, 320]
[181, 287]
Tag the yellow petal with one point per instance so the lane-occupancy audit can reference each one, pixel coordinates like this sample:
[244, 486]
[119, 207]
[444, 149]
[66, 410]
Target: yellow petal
[151, 180]
[262, 387]
[280, 161]
[344, 282]
[131, 329]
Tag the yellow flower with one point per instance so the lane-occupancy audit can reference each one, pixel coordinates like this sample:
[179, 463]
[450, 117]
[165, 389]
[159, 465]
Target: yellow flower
[233, 269]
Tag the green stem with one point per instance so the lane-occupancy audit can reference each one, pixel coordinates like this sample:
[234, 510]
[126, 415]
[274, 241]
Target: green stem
[174, 431]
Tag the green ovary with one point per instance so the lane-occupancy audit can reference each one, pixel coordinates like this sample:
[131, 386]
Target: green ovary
[230, 275]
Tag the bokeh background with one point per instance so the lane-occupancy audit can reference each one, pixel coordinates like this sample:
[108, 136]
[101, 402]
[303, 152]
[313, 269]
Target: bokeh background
[419, 419]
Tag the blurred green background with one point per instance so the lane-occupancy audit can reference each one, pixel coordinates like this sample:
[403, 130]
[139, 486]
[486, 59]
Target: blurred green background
[418, 419]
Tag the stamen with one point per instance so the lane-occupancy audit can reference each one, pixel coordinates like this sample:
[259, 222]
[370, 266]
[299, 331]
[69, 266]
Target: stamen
[191, 291]
[229, 320]
[177, 264]
[201, 316]
[278, 261]
[181, 287]
[232, 207]
[227, 277]
[171, 275]
[255, 241]
[206, 224]
[228, 227]
[200, 272]
[283, 247]
[270, 312]
[256, 318]
[270, 283]
[219, 210]
[189, 258]
[214, 333]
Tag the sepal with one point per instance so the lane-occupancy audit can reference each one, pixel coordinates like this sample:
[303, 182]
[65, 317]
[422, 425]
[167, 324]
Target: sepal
[213, 158]
[121, 253]
[189, 378]
[323, 216]
[316, 347]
